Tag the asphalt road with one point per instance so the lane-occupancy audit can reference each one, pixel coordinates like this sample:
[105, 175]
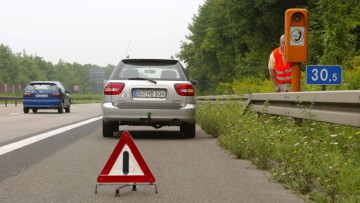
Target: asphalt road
[64, 167]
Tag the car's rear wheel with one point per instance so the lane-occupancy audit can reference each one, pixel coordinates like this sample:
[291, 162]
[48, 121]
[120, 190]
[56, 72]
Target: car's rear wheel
[188, 129]
[26, 110]
[61, 108]
[34, 110]
[109, 128]
[67, 109]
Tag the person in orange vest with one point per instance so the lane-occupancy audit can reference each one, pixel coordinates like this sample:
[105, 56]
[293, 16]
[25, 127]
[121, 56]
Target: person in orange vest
[280, 72]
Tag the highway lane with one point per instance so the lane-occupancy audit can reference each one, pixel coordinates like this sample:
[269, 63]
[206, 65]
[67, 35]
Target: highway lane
[64, 168]
[14, 124]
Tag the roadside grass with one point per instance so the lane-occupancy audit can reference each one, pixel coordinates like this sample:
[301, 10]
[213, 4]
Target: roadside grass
[85, 98]
[318, 160]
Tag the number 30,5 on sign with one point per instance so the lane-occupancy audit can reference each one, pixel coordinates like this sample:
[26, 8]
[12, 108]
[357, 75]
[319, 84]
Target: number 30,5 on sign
[324, 75]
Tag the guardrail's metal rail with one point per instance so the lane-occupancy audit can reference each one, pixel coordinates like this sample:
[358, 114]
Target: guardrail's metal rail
[16, 99]
[341, 107]
[7, 99]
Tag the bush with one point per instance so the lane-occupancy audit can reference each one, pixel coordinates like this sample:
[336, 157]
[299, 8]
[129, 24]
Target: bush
[249, 85]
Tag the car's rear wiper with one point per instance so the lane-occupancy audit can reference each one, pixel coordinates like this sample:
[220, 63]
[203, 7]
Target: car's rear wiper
[153, 81]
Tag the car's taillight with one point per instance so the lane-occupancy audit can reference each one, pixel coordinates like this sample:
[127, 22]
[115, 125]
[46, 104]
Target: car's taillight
[55, 94]
[27, 94]
[114, 88]
[185, 89]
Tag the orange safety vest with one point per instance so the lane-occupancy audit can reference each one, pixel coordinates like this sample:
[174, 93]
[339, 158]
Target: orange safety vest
[282, 70]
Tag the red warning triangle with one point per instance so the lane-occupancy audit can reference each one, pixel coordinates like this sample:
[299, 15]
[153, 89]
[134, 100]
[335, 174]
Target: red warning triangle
[126, 165]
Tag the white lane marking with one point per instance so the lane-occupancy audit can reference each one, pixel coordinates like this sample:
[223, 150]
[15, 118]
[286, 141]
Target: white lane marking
[22, 143]
[15, 113]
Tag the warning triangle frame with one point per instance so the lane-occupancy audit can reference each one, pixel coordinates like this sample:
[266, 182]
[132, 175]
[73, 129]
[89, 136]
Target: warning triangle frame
[105, 178]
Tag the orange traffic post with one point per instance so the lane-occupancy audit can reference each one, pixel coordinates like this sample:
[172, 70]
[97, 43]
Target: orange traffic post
[296, 42]
[295, 77]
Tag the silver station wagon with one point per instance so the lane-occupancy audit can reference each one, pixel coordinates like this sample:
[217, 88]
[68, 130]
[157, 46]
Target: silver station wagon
[149, 92]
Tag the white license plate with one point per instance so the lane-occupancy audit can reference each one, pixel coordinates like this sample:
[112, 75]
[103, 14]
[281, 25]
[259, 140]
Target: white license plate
[41, 95]
[149, 93]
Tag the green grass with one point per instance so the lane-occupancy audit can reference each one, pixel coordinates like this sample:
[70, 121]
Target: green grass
[318, 160]
[85, 98]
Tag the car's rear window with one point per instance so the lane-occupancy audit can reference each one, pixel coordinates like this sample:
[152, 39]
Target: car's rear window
[149, 70]
[41, 86]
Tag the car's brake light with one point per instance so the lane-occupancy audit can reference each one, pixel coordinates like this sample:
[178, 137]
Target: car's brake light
[185, 89]
[27, 94]
[114, 88]
[55, 94]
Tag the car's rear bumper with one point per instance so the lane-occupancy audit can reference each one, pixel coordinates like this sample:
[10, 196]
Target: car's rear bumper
[113, 113]
[42, 104]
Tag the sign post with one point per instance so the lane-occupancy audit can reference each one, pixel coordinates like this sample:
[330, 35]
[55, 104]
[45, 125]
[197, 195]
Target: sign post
[323, 75]
[296, 43]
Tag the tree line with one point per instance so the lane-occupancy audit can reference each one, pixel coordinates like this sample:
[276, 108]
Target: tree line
[228, 46]
[232, 39]
[21, 68]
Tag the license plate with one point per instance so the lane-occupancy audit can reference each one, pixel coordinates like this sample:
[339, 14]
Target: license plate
[149, 93]
[41, 95]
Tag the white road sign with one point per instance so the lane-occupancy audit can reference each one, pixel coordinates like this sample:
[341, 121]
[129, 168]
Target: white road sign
[297, 36]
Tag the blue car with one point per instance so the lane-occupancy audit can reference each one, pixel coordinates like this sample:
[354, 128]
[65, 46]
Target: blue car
[46, 95]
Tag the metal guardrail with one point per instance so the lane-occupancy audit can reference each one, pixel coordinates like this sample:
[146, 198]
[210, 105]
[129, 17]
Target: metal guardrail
[340, 107]
[16, 99]
[7, 99]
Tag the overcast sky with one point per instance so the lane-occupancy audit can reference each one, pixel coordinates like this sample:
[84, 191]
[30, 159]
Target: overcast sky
[96, 31]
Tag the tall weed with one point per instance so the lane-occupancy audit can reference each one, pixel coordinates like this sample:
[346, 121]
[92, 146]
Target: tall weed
[319, 160]
[249, 85]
